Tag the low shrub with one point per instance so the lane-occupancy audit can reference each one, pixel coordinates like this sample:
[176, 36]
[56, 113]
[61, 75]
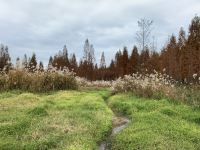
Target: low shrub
[37, 81]
[146, 85]
[157, 86]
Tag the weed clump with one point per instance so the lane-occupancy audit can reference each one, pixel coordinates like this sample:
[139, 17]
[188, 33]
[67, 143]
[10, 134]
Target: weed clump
[197, 120]
[169, 112]
[38, 111]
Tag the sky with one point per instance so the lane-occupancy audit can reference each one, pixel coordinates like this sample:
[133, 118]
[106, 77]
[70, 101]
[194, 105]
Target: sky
[45, 26]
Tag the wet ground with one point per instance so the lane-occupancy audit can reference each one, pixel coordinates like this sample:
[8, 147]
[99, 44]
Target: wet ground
[119, 123]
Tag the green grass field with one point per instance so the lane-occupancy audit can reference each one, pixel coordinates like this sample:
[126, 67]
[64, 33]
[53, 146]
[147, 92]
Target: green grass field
[156, 124]
[63, 120]
[80, 120]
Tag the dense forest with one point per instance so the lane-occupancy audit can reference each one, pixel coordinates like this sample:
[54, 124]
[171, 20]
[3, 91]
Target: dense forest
[179, 58]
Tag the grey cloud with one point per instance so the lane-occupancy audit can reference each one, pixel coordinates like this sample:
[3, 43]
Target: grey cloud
[45, 26]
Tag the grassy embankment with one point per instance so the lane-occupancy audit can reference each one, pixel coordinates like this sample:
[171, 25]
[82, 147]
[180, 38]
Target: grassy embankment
[80, 119]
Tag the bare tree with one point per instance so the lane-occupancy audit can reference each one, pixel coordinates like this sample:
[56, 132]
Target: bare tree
[5, 63]
[24, 62]
[86, 50]
[50, 64]
[154, 44]
[88, 53]
[91, 57]
[102, 61]
[18, 63]
[143, 35]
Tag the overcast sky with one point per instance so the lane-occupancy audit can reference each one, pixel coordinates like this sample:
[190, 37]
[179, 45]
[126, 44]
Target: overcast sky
[44, 26]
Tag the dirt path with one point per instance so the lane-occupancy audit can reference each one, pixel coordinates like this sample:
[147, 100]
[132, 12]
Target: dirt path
[118, 123]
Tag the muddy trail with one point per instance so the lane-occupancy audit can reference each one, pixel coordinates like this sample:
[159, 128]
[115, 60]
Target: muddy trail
[118, 124]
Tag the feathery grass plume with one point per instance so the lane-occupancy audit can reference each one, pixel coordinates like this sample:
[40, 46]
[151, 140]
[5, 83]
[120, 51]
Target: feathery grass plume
[83, 82]
[157, 86]
[38, 81]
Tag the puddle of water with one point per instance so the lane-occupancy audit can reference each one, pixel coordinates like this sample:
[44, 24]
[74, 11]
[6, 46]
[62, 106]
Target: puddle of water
[120, 124]
[102, 146]
[121, 127]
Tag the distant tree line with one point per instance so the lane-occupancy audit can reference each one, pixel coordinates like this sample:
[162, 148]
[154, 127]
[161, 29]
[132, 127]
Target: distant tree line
[5, 63]
[179, 58]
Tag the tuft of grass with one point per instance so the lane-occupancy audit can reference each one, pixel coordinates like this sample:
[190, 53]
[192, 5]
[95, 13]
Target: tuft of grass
[15, 129]
[38, 111]
[168, 111]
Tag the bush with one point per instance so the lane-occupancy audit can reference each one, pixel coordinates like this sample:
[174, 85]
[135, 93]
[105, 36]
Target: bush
[37, 81]
[144, 85]
[157, 86]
